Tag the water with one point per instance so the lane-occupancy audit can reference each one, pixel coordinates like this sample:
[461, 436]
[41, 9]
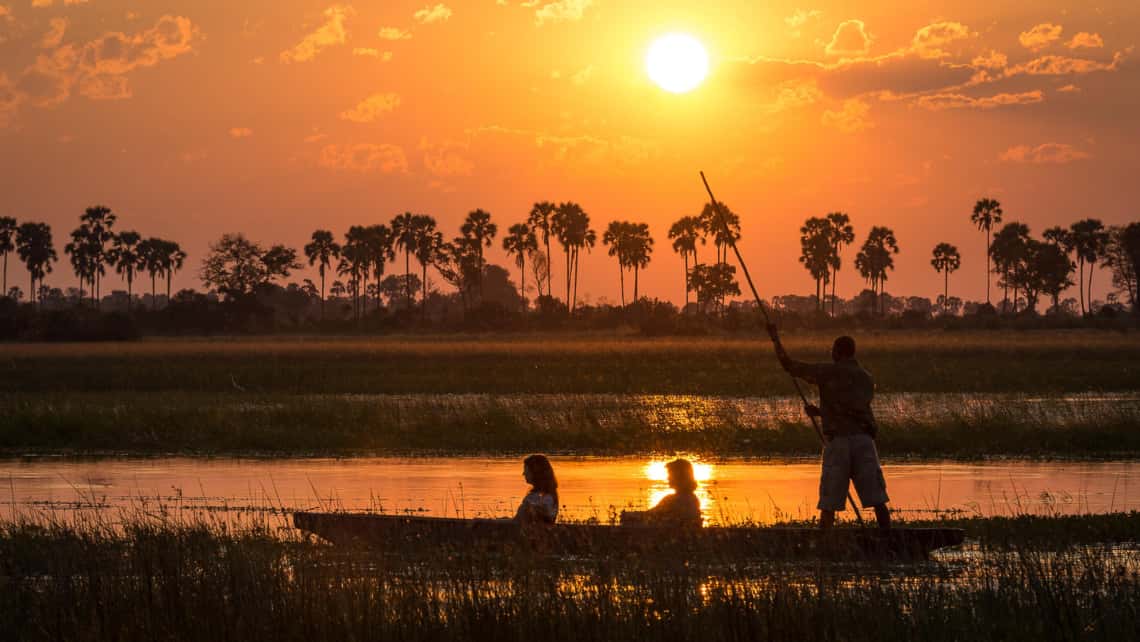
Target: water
[731, 490]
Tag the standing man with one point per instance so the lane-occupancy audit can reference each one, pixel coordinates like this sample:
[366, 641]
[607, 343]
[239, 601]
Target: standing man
[849, 429]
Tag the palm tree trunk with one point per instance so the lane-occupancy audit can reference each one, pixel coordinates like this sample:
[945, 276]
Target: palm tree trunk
[685, 257]
[129, 290]
[621, 279]
[988, 264]
[522, 278]
[1092, 271]
[168, 275]
[834, 276]
[32, 292]
[568, 306]
[5, 292]
[153, 295]
[635, 292]
[423, 304]
[576, 256]
[549, 269]
[946, 290]
[408, 276]
[322, 292]
[1081, 290]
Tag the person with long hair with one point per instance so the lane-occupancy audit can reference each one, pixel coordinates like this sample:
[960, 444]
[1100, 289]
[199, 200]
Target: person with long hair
[682, 508]
[541, 503]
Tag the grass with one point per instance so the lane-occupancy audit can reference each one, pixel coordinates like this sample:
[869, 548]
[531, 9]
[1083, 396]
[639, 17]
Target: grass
[941, 426]
[147, 579]
[951, 362]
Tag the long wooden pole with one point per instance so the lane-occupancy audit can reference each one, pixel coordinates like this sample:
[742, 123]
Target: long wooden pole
[767, 320]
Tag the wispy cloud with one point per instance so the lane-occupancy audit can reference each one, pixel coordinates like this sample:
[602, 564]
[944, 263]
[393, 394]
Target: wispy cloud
[941, 102]
[1040, 36]
[561, 11]
[852, 117]
[1086, 39]
[1044, 154]
[330, 34]
[382, 158]
[372, 108]
[428, 15]
[850, 39]
[393, 33]
[368, 52]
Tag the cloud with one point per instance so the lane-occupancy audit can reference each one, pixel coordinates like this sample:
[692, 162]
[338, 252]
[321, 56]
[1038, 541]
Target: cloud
[371, 108]
[941, 102]
[364, 158]
[372, 53]
[55, 33]
[930, 41]
[1040, 36]
[1053, 65]
[1045, 154]
[41, 4]
[241, 132]
[428, 15]
[446, 158]
[394, 33]
[851, 118]
[991, 60]
[799, 19]
[850, 39]
[329, 34]
[1086, 39]
[561, 11]
[1070, 89]
[105, 88]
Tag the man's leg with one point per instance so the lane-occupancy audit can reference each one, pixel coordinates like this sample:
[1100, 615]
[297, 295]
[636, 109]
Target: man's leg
[883, 515]
[826, 519]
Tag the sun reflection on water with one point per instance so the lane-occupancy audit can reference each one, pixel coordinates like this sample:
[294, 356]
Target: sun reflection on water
[656, 473]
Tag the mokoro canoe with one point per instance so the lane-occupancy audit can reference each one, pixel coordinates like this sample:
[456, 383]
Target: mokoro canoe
[400, 533]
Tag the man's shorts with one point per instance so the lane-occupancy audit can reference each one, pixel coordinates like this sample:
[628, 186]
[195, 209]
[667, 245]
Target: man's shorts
[854, 458]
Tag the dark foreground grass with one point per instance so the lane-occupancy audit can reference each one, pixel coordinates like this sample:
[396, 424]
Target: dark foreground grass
[245, 424]
[149, 580]
[902, 361]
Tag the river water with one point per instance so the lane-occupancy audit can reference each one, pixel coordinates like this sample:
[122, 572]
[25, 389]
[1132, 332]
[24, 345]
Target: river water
[732, 490]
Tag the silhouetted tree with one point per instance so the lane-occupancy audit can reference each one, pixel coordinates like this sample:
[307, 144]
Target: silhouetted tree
[1122, 256]
[458, 263]
[875, 258]
[615, 237]
[1009, 252]
[236, 266]
[7, 244]
[378, 240]
[321, 251]
[519, 242]
[571, 225]
[404, 238]
[945, 260]
[713, 283]
[150, 260]
[686, 232]
[81, 256]
[723, 225]
[987, 213]
[394, 289]
[172, 258]
[126, 258]
[35, 249]
[481, 231]
[540, 221]
[1047, 269]
[841, 233]
[1089, 239]
[354, 263]
[815, 254]
[428, 241]
[97, 222]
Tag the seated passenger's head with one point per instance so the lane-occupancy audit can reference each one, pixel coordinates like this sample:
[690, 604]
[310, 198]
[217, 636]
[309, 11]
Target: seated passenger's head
[843, 348]
[681, 476]
[540, 474]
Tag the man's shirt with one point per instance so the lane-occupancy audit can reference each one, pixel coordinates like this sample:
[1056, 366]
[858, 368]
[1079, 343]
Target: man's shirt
[845, 392]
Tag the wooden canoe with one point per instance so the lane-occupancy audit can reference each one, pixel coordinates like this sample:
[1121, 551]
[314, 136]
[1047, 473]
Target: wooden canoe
[399, 532]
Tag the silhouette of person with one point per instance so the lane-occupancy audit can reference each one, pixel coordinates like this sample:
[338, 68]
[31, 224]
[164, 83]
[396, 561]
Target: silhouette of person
[849, 429]
[541, 504]
[681, 508]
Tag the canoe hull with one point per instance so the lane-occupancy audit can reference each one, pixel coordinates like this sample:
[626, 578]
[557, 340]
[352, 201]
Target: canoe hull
[396, 533]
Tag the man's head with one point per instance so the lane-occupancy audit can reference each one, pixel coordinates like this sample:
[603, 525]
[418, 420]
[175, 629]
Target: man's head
[843, 348]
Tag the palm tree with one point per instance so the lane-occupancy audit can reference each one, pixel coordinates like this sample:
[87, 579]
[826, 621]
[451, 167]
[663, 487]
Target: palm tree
[987, 213]
[1009, 251]
[126, 258]
[723, 226]
[686, 232]
[875, 258]
[404, 237]
[98, 222]
[481, 231]
[1089, 240]
[428, 242]
[7, 244]
[80, 255]
[519, 242]
[815, 253]
[354, 262]
[378, 240]
[151, 260]
[640, 249]
[946, 259]
[172, 258]
[571, 224]
[616, 237]
[321, 251]
[841, 233]
[539, 222]
[35, 249]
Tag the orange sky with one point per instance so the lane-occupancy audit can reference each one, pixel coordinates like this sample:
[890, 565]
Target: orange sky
[273, 118]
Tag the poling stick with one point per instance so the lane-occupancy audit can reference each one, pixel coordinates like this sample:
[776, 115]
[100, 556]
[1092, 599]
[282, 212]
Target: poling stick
[767, 320]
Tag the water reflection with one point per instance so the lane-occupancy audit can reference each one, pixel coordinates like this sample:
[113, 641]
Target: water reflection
[703, 472]
[731, 490]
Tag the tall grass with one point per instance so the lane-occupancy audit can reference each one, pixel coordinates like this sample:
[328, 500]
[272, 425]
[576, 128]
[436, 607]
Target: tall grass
[147, 580]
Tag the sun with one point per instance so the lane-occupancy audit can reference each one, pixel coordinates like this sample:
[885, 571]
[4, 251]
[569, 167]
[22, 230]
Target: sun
[677, 62]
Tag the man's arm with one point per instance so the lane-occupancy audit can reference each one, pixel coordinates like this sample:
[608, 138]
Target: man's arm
[806, 371]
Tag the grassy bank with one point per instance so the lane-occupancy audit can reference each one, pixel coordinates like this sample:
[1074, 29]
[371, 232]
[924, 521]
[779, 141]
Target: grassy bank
[940, 426]
[153, 581]
[1037, 362]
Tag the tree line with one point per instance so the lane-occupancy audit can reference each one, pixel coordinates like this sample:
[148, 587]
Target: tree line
[237, 267]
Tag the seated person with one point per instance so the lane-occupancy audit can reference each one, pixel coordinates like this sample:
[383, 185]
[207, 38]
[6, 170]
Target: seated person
[682, 508]
[541, 504]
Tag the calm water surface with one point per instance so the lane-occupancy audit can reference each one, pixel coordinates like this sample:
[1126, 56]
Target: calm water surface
[731, 490]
